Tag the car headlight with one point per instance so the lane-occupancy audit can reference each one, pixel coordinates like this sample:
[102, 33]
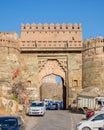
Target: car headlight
[78, 124]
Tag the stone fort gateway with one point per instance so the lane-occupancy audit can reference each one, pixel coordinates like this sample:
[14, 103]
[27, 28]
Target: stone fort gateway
[44, 52]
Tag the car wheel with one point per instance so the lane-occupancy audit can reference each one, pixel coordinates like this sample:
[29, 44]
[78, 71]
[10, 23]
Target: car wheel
[86, 128]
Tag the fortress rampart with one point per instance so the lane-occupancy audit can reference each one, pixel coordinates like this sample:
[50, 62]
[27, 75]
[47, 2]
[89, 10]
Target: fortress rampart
[9, 59]
[93, 62]
[58, 48]
[51, 36]
[9, 41]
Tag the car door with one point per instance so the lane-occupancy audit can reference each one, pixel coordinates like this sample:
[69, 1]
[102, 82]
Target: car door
[98, 121]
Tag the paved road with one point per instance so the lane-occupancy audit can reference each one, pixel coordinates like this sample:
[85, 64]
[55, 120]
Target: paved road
[54, 120]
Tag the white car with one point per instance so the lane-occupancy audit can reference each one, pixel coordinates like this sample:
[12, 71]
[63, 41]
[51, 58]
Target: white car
[95, 122]
[37, 108]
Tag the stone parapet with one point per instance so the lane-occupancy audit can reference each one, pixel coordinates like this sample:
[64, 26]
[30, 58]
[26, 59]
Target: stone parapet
[44, 27]
[93, 42]
[9, 40]
[61, 37]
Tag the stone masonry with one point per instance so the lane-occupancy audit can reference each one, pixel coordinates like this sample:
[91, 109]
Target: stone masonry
[93, 63]
[9, 61]
[53, 49]
[42, 50]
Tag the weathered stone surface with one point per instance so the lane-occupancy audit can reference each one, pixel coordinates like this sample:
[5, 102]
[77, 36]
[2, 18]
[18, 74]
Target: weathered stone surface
[52, 91]
[39, 52]
[9, 61]
[93, 63]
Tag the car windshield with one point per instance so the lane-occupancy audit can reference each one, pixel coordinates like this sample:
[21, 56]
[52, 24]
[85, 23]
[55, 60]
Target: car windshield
[37, 104]
[8, 122]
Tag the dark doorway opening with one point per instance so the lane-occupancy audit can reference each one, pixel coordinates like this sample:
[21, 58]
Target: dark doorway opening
[53, 88]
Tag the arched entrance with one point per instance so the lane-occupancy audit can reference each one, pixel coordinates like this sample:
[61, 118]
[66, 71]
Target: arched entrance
[49, 86]
[53, 88]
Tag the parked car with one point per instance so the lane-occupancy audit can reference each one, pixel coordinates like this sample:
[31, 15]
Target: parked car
[36, 108]
[47, 101]
[60, 104]
[90, 113]
[54, 106]
[95, 122]
[48, 105]
[11, 123]
[51, 105]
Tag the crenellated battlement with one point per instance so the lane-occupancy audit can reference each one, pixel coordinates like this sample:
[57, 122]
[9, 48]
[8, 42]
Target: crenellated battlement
[93, 47]
[9, 39]
[51, 36]
[93, 43]
[31, 27]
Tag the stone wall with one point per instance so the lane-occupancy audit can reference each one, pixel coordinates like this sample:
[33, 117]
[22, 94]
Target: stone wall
[29, 71]
[52, 91]
[50, 36]
[9, 61]
[42, 50]
[93, 63]
[74, 75]
[57, 50]
[35, 67]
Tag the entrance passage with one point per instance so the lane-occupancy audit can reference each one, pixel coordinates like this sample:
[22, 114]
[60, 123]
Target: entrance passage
[53, 88]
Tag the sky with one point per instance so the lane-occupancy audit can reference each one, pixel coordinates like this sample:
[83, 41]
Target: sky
[89, 13]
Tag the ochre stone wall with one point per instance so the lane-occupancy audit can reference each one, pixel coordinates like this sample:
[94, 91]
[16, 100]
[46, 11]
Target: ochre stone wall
[68, 67]
[30, 72]
[93, 63]
[57, 49]
[53, 36]
[41, 50]
[74, 75]
[44, 49]
[9, 61]
[52, 91]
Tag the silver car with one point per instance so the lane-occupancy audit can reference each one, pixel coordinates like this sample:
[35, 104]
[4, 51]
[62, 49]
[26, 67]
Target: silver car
[37, 108]
[95, 122]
